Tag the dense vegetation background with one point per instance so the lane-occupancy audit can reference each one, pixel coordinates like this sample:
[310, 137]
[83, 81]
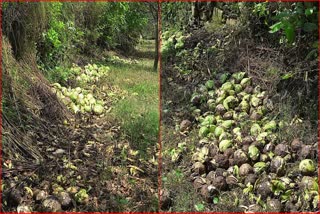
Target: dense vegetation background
[56, 32]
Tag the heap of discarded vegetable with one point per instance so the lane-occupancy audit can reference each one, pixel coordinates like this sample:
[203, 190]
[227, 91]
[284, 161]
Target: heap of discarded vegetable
[240, 147]
[80, 99]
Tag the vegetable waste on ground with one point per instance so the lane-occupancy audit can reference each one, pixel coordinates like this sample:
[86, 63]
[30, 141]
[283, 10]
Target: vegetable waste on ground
[80, 99]
[240, 147]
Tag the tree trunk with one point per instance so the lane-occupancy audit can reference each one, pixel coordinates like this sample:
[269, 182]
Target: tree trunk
[195, 13]
[156, 54]
[202, 12]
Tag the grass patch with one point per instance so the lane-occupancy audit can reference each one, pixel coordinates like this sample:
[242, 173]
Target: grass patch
[139, 123]
[143, 88]
[139, 111]
[138, 116]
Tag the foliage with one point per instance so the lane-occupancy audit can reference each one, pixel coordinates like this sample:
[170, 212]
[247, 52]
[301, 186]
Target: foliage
[175, 15]
[292, 22]
[121, 23]
[57, 31]
[108, 24]
[59, 39]
[299, 16]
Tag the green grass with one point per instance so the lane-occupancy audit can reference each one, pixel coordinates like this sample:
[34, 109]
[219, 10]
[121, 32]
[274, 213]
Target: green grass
[146, 49]
[138, 112]
[139, 122]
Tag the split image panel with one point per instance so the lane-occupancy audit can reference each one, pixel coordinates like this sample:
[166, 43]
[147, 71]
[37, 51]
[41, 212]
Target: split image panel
[239, 106]
[80, 107]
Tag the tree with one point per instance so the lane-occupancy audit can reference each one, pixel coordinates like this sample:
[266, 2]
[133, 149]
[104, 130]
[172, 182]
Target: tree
[22, 24]
[202, 12]
[154, 8]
